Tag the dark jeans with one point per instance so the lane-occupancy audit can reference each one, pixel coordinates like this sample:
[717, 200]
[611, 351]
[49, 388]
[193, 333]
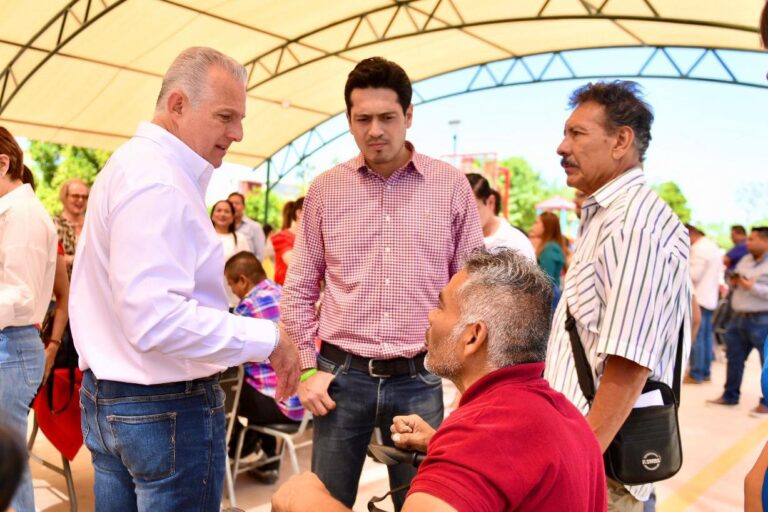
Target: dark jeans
[155, 448]
[363, 402]
[701, 352]
[744, 333]
[259, 409]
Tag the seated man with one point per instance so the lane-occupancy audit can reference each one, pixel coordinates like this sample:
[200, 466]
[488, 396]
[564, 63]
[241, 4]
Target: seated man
[259, 298]
[513, 443]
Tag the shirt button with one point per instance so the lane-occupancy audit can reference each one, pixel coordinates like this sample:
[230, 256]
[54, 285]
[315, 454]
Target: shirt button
[386, 281]
[386, 315]
[386, 249]
[386, 218]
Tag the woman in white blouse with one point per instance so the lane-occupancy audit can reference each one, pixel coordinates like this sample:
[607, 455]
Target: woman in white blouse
[223, 218]
[27, 268]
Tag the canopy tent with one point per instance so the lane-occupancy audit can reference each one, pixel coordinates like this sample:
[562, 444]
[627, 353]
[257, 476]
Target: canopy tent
[85, 72]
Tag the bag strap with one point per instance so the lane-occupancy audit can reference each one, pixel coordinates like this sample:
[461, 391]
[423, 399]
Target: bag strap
[584, 371]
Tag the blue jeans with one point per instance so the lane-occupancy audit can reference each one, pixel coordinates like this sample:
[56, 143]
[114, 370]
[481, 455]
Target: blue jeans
[745, 332]
[341, 437]
[701, 352]
[22, 360]
[155, 448]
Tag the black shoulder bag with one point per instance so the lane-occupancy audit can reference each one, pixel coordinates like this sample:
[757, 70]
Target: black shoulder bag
[647, 447]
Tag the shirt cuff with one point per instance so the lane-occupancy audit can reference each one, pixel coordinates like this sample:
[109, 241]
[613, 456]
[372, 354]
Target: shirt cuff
[260, 338]
[308, 358]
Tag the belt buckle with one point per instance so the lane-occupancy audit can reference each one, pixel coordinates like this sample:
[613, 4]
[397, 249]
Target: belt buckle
[372, 373]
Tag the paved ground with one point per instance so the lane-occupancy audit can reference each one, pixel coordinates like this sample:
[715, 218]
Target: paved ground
[720, 445]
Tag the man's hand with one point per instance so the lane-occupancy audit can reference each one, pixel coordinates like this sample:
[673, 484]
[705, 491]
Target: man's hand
[285, 361]
[411, 432]
[745, 283]
[303, 493]
[313, 394]
[50, 358]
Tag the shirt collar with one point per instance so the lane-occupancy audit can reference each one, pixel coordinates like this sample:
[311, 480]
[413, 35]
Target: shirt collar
[19, 193]
[196, 166]
[519, 373]
[416, 163]
[612, 190]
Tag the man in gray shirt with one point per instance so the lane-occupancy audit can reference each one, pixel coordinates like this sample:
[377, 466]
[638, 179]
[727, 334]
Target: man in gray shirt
[246, 227]
[749, 327]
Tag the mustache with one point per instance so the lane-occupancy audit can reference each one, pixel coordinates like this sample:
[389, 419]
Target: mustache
[570, 163]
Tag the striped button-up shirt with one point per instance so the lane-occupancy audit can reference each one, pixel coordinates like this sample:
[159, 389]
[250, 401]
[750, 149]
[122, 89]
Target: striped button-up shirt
[628, 287]
[385, 249]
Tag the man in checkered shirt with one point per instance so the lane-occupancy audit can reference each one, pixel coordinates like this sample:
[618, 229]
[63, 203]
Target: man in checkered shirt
[386, 231]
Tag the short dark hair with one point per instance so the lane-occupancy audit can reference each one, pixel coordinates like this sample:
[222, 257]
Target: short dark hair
[761, 230]
[764, 25]
[245, 263]
[624, 106]
[693, 229]
[10, 148]
[238, 194]
[379, 73]
[738, 228]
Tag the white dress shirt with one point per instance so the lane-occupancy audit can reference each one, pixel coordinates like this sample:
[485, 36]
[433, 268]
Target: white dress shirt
[509, 237]
[147, 302]
[27, 258]
[254, 235]
[706, 269]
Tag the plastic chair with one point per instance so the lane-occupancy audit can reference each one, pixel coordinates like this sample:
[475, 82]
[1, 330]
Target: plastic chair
[64, 470]
[232, 384]
[286, 433]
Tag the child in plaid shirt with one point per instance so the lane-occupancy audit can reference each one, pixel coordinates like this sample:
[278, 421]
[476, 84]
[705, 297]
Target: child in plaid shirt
[259, 298]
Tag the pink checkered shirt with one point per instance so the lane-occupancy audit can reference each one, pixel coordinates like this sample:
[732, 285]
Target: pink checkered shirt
[385, 249]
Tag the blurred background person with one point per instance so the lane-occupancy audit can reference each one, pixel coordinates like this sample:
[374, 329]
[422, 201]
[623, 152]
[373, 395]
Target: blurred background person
[282, 241]
[246, 227]
[73, 194]
[497, 232]
[550, 249]
[739, 249]
[223, 219]
[28, 255]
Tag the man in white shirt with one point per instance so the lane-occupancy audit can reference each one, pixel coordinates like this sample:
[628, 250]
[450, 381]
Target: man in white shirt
[149, 311]
[706, 269]
[246, 227]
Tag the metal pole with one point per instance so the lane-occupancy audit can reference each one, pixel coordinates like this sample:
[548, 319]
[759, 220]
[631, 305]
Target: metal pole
[266, 192]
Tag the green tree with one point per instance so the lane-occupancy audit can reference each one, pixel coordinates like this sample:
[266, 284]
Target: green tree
[56, 164]
[254, 208]
[670, 192]
[527, 189]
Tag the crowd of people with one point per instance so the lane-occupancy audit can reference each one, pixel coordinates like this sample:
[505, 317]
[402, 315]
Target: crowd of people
[393, 244]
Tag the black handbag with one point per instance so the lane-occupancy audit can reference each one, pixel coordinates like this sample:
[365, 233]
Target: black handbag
[647, 447]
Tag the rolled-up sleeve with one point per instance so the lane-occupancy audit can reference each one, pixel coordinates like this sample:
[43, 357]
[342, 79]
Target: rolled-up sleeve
[467, 232]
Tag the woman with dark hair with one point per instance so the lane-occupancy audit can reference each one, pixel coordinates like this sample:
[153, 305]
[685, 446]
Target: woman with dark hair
[497, 232]
[550, 248]
[282, 241]
[223, 219]
[28, 256]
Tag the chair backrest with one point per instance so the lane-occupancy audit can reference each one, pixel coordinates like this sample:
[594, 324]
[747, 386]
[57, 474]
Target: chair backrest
[232, 384]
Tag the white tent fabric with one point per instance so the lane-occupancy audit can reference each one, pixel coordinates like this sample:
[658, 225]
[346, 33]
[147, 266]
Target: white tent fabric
[85, 72]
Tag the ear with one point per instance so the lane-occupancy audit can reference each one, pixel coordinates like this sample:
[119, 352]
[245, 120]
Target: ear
[475, 338]
[349, 119]
[5, 164]
[176, 103]
[491, 202]
[625, 139]
[409, 116]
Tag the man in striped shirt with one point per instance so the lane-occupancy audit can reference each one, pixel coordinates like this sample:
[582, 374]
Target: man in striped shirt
[386, 231]
[628, 285]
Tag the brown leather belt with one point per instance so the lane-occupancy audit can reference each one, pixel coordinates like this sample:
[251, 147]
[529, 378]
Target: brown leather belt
[378, 368]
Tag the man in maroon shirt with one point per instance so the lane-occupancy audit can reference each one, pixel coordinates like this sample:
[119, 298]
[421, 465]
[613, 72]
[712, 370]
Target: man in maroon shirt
[385, 231]
[513, 443]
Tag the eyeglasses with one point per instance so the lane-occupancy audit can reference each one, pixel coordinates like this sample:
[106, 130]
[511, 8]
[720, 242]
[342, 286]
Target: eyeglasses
[84, 197]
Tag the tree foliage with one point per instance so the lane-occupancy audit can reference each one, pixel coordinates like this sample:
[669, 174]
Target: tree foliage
[528, 189]
[670, 192]
[254, 208]
[56, 163]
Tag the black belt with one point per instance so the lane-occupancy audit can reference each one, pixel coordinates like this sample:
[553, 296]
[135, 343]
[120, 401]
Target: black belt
[379, 368]
[751, 313]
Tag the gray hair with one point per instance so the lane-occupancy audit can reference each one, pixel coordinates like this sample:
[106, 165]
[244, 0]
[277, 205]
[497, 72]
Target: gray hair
[189, 73]
[513, 297]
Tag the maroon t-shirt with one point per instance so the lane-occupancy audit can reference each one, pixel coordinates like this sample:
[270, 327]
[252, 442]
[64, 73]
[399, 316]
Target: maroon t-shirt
[514, 443]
